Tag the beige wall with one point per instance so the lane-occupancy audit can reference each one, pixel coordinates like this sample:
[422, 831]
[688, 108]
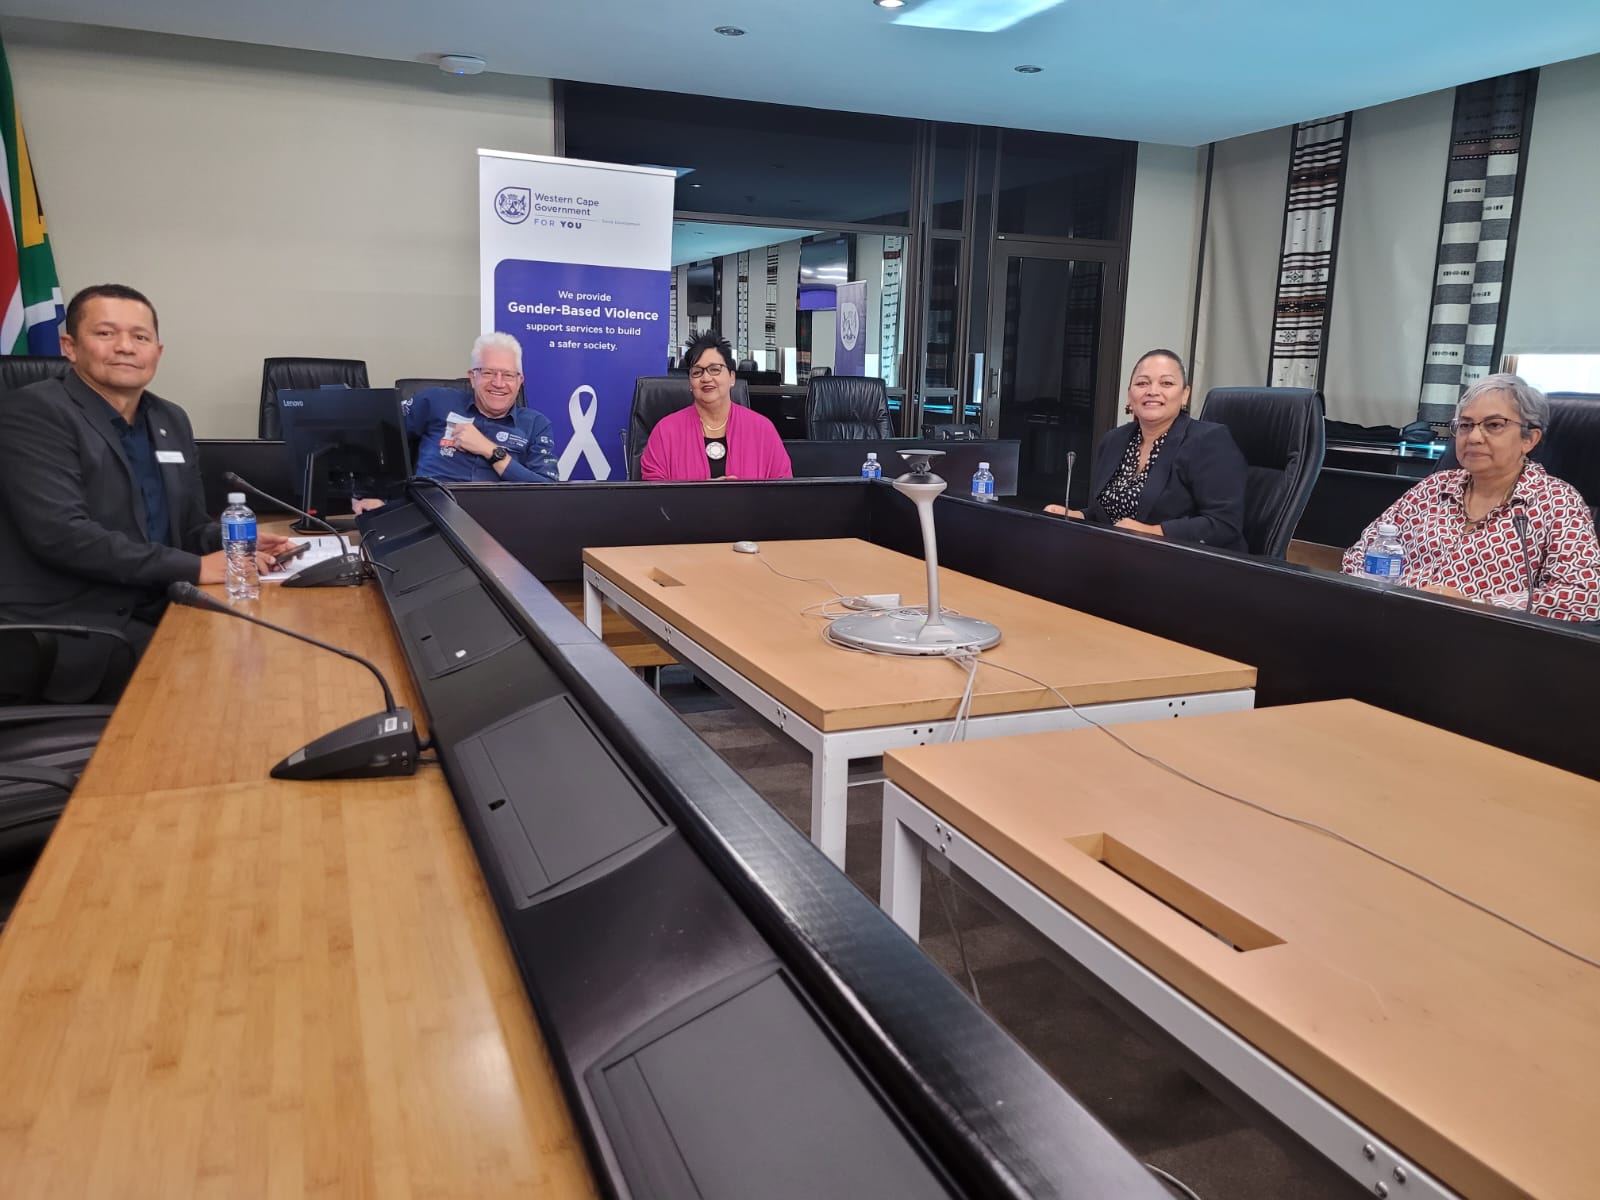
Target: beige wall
[268, 201]
[1245, 232]
[1388, 241]
[1162, 251]
[1553, 279]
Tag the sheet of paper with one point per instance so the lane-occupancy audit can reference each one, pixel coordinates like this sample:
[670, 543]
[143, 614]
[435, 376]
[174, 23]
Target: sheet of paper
[323, 547]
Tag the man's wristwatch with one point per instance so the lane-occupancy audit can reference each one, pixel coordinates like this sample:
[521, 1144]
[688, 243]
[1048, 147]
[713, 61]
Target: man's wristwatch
[500, 452]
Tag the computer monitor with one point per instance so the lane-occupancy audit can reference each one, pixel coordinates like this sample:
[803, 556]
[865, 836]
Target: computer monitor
[344, 443]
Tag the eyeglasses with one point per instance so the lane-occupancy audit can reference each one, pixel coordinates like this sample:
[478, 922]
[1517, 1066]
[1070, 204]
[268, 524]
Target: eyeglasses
[1491, 426]
[497, 376]
[714, 370]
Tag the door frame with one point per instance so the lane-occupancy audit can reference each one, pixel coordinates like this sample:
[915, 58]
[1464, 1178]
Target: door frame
[1113, 259]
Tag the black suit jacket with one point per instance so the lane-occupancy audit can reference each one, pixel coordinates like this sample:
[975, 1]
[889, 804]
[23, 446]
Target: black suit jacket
[1195, 489]
[73, 543]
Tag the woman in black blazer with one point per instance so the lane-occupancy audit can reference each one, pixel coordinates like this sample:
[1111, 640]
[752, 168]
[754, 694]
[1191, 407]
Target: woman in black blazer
[1164, 473]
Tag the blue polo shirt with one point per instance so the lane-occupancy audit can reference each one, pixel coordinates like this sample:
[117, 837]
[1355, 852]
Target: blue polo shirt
[524, 433]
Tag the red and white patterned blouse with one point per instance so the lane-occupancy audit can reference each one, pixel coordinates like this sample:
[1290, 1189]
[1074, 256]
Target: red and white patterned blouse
[1485, 563]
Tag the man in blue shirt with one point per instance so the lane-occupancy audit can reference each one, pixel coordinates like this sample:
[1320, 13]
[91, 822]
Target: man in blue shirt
[498, 441]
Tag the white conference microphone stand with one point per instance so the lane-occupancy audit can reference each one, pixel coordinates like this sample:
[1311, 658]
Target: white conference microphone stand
[910, 630]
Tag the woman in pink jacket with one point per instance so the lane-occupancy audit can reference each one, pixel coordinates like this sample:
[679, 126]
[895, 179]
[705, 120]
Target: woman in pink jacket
[713, 438]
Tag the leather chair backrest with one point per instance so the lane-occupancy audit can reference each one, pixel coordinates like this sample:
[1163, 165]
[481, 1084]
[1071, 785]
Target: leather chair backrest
[658, 396]
[1569, 450]
[1281, 433]
[19, 370]
[847, 408]
[302, 373]
[404, 389]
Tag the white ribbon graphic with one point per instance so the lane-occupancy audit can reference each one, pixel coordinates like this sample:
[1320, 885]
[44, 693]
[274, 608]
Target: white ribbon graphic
[583, 444]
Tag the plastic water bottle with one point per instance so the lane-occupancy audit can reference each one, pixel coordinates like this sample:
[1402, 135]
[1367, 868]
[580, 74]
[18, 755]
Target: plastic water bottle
[239, 545]
[1386, 554]
[983, 483]
[870, 469]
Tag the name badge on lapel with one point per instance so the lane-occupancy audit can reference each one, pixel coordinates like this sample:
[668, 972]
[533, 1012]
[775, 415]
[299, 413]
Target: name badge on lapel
[169, 456]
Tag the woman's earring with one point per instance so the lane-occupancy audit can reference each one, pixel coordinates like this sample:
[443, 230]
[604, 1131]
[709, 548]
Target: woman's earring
[1127, 408]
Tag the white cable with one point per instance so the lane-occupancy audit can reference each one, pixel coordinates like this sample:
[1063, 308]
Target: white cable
[1302, 822]
[961, 946]
[762, 559]
[1173, 1180]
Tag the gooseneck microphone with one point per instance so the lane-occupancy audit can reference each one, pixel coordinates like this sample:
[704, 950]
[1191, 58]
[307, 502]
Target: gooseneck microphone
[1519, 518]
[344, 571]
[369, 748]
[1072, 458]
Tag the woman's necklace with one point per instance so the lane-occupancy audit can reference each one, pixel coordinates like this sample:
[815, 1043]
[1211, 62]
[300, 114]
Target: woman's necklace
[1469, 522]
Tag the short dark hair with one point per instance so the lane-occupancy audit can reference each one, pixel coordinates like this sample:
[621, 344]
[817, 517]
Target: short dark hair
[1183, 371]
[110, 291]
[707, 341]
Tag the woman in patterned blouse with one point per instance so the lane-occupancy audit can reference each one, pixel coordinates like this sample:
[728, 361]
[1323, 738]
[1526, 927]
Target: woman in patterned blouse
[1499, 523]
[1165, 474]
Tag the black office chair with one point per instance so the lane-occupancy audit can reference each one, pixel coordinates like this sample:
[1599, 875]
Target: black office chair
[19, 370]
[1281, 434]
[745, 366]
[1569, 450]
[847, 408]
[302, 373]
[43, 747]
[407, 388]
[658, 396]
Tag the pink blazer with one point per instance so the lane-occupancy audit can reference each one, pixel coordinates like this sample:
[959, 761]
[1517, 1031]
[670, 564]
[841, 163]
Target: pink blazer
[677, 448]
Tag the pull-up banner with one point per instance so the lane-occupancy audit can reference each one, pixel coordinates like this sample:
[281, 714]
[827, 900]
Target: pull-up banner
[576, 261]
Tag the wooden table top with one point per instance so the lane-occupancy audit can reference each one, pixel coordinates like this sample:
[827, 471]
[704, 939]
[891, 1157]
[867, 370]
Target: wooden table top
[217, 984]
[755, 620]
[1466, 1043]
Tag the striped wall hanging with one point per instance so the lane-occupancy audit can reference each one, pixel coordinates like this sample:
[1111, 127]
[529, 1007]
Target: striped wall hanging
[741, 341]
[1477, 237]
[1302, 305]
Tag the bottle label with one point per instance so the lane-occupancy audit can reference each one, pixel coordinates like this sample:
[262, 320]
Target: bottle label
[239, 531]
[1385, 566]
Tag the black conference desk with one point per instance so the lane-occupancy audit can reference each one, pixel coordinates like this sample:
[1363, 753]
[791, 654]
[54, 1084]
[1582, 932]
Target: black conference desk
[505, 669]
[729, 1015]
[1522, 683]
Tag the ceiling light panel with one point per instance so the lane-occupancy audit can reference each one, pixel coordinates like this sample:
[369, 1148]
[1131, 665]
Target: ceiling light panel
[973, 16]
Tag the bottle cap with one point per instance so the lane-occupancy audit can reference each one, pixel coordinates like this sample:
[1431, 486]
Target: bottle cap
[983, 466]
[1388, 530]
[872, 456]
[235, 497]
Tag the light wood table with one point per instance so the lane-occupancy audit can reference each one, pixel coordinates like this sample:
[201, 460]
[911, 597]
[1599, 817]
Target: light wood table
[216, 984]
[749, 621]
[1424, 1046]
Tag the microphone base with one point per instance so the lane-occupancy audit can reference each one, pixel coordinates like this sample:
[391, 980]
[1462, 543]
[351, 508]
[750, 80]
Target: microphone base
[906, 631]
[374, 747]
[344, 571]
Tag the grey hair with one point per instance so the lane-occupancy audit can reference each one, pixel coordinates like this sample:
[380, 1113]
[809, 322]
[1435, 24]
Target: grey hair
[1532, 406]
[496, 341]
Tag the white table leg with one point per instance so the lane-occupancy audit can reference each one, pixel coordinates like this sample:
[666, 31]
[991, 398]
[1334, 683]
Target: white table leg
[592, 608]
[830, 793]
[900, 887]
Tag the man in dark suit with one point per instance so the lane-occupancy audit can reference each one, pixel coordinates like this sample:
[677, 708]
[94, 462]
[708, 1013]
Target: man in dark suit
[100, 499]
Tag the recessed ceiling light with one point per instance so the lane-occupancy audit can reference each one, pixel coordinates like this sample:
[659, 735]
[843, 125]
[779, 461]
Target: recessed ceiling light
[461, 64]
[694, 185]
[1027, 69]
[890, 3]
[729, 31]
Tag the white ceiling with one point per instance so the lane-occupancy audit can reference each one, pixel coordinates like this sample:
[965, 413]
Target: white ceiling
[1177, 71]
